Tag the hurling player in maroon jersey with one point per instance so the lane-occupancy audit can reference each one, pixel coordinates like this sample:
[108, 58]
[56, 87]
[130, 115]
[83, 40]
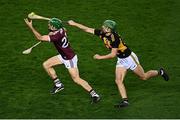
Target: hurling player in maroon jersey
[126, 59]
[66, 56]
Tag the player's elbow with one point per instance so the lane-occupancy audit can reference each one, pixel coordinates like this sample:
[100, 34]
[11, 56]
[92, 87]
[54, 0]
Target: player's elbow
[113, 52]
[89, 30]
[86, 30]
[42, 38]
[39, 38]
[113, 55]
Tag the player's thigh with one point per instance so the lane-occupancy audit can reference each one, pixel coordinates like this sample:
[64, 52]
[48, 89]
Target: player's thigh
[120, 73]
[139, 71]
[53, 61]
[74, 73]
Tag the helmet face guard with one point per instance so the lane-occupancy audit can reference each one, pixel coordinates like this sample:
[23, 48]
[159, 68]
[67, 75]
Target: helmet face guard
[56, 23]
[110, 24]
[105, 29]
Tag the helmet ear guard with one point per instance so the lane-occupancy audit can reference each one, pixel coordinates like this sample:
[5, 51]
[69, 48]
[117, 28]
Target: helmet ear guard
[56, 23]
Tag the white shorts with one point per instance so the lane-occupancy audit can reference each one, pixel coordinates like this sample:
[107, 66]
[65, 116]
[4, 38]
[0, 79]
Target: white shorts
[130, 62]
[69, 63]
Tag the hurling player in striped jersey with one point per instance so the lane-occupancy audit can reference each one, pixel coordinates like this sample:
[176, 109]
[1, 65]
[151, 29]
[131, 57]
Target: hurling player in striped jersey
[66, 56]
[126, 58]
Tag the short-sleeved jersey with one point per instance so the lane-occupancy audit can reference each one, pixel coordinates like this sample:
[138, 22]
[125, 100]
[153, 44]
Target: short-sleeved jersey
[114, 41]
[60, 40]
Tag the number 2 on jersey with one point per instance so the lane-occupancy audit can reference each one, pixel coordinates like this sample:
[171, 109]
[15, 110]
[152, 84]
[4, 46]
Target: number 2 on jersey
[65, 42]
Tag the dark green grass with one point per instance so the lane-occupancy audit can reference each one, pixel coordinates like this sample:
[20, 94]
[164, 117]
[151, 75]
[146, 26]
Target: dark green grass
[151, 29]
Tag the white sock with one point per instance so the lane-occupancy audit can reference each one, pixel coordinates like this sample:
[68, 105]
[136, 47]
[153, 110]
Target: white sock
[93, 93]
[57, 82]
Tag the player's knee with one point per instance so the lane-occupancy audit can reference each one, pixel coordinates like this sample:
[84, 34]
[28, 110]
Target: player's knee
[46, 65]
[76, 79]
[143, 77]
[119, 81]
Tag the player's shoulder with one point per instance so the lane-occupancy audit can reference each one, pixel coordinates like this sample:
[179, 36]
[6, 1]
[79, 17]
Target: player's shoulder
[98, 32]
[60, 32]
[115, 36]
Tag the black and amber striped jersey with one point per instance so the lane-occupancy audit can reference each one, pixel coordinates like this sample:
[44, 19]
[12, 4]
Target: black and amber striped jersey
[114, 41]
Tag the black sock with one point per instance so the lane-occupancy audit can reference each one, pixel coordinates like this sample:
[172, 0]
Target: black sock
[125, 99]
[159, 72]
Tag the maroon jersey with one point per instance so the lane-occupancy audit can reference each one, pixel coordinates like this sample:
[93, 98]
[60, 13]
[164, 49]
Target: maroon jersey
[60, 40]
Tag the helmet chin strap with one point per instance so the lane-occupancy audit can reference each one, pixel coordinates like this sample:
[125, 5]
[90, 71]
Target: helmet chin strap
[109, 33]
[50, 30]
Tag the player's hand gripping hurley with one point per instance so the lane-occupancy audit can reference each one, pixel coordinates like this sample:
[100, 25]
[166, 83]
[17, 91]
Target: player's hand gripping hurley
[33, 15]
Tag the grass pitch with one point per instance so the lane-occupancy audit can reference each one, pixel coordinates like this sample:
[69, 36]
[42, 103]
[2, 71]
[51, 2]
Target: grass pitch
[149, 27]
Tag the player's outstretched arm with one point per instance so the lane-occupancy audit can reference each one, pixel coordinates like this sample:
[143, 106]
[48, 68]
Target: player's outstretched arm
[37, 34]
[80, 26]
[108, 56]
